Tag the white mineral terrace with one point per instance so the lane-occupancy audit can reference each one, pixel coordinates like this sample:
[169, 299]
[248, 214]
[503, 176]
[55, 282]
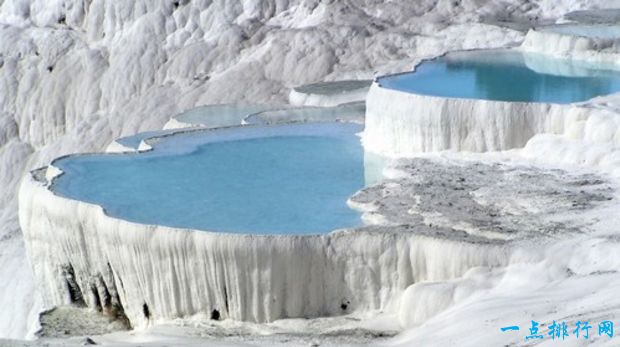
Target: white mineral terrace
[404, 123]
[149, 273]
[598, 43]
[476, 213]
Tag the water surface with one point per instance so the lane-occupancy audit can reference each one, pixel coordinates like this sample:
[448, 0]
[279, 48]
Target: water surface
[507, 75]
[267, 180]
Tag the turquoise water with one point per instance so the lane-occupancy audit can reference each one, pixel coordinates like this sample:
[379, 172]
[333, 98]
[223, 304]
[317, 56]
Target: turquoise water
[507, 76]
[271, 180]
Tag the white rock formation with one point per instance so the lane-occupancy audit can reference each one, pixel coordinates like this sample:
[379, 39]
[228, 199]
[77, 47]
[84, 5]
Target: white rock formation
[77, 74]
[160, 273]
[403, 124]
[595, 43]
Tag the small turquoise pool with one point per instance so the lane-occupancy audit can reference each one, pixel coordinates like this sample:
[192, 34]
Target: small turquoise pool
[507, 75]
[292, 179]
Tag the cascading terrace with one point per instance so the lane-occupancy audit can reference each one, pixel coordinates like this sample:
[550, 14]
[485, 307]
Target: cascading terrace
[254, 222]
[487, 100]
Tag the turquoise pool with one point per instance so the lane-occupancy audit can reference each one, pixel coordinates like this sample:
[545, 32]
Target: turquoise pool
[507, 75]
[292, 179]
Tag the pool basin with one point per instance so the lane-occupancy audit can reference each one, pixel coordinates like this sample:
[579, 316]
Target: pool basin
[507, 75]
[481, 101]
[289, 179]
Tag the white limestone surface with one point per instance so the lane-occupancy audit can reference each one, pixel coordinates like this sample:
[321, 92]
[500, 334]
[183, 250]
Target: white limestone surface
[178, 273]
[594, 43]
[403, 124]
[77, 74]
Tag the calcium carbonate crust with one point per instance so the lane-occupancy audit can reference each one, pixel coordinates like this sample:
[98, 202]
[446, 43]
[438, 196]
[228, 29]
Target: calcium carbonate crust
[77, 74]
[572, 46]
[403, 124]
[67, 90]
[150, 273]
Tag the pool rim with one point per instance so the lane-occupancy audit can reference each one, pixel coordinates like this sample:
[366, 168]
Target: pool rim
[377, 79]
[51, 172]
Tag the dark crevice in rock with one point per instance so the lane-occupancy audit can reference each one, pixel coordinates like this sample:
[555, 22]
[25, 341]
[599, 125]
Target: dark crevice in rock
[96, 297]
[73, 288]
[112, 300]
[107, 298]
[88, 342]
[226, 301]
[146, 311]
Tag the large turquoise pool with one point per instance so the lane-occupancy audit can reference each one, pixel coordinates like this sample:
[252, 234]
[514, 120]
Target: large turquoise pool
[507, 75]
[292, 179]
